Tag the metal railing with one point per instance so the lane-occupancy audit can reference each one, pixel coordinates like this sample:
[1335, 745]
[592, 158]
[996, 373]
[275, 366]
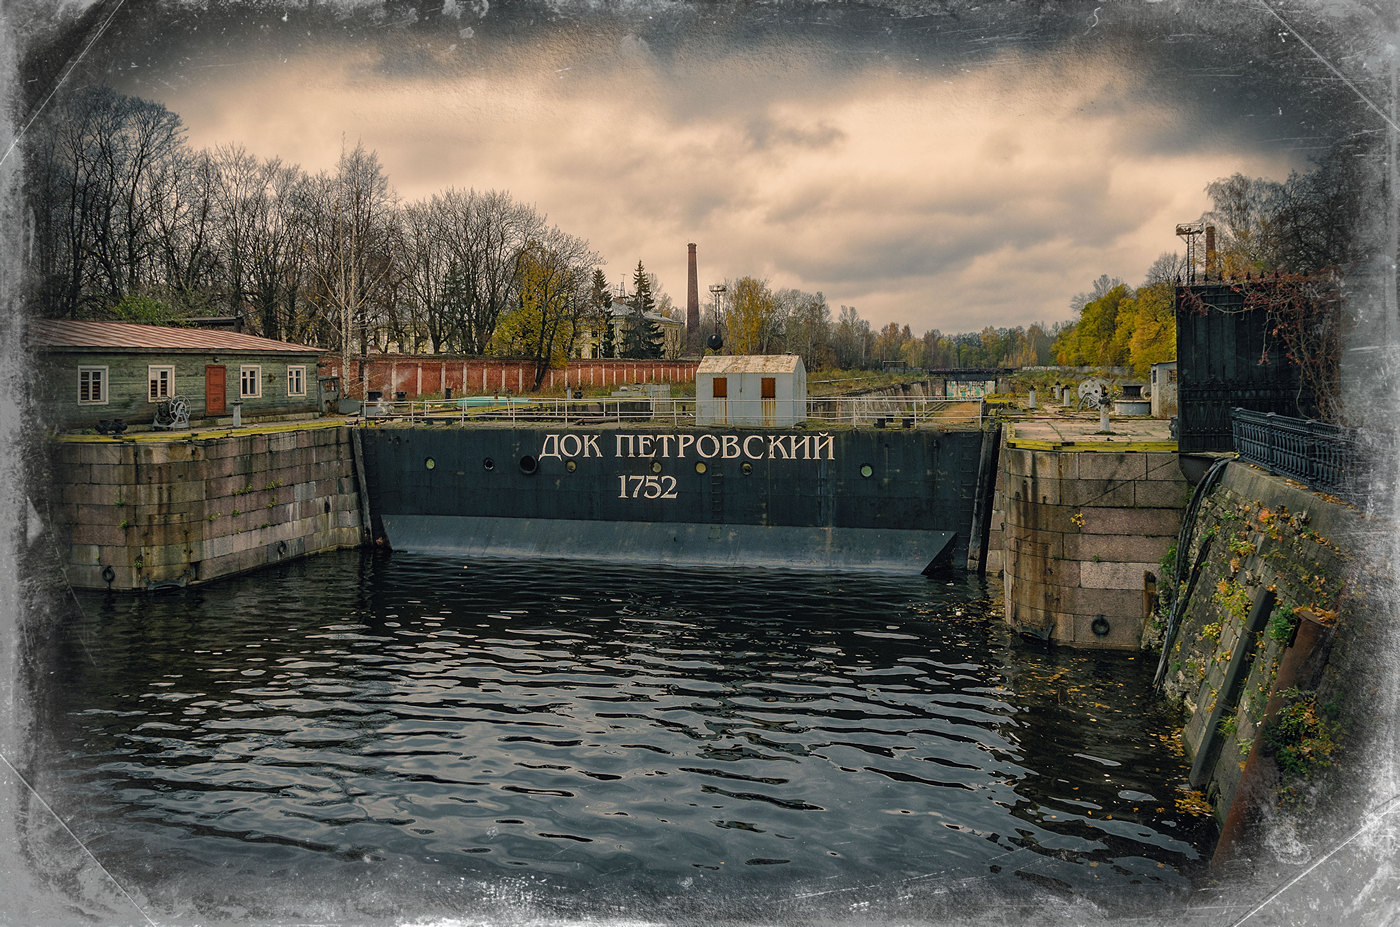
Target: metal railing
[1328, 458]
[878, 412]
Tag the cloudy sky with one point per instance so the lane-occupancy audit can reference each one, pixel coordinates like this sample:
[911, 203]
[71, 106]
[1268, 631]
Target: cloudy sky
[947, 167]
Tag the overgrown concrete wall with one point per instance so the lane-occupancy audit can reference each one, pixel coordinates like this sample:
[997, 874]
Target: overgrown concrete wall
[190, 509]
[1083, 529]
[1277, 556]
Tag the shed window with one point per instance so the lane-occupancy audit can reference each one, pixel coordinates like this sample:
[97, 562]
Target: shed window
[92, 386]
[721, 390]
[161, 382]
[296, 381]
[250, 381]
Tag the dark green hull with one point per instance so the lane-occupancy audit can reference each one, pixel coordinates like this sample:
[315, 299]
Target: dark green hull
[872, 499]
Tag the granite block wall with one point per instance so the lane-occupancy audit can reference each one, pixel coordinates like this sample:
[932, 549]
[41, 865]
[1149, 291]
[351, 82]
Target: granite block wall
[1084, 531]
[140, 513]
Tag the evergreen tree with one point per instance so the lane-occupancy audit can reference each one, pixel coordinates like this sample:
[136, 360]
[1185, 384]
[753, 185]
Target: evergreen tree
[642, 338]
[602, 301]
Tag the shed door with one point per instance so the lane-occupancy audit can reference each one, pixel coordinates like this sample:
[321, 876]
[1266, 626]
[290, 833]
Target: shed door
[720, 392]
[768, 398]
[214, 390]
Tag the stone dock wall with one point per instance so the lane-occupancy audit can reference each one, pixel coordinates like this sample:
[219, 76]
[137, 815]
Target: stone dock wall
[1268, 624]
[1083, 533]
[141, 513]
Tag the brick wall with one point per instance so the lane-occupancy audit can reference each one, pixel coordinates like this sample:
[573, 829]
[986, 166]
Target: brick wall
[431, 376]
[188, 510]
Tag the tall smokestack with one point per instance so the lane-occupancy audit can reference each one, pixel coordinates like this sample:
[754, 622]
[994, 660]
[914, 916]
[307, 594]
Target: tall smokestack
[1210, 249]
[692, 297]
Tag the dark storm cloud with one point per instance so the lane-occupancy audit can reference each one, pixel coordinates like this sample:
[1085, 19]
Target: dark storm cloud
[875, 152]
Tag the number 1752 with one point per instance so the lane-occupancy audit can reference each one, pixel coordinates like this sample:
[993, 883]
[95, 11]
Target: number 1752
[646, 487]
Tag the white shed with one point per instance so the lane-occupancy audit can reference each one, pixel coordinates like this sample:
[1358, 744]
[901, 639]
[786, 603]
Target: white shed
[761, 389]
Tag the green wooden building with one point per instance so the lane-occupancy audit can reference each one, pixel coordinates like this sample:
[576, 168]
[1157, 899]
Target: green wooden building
[89, 373]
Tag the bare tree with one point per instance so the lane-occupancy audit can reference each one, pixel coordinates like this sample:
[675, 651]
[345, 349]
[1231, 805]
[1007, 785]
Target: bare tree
[486, 233]
[351, 233]
[429, 275]
[186, 231]
[98, 161]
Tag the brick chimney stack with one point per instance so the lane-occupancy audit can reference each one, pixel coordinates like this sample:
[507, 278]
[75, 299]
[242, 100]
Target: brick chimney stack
[692, 297]
[1210, 249]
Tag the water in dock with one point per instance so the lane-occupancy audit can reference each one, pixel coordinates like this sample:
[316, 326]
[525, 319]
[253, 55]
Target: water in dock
[386, 739]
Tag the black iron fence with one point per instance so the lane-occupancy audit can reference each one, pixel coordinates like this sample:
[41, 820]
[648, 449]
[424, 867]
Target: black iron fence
[1328, 458]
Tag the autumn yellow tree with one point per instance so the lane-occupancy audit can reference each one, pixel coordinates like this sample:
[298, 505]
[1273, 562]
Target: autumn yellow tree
[553, 301]
[1153, 340]
[754, 326]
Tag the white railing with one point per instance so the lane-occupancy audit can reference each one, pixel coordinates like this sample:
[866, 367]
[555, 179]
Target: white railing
[875, 411]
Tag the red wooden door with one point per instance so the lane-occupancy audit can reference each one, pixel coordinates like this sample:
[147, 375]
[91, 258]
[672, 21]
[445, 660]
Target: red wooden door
[214, 390]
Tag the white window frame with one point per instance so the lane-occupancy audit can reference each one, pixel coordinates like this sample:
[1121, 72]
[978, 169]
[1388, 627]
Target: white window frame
[160, 374]
[102, 384]
[250, 374]
[296, 379]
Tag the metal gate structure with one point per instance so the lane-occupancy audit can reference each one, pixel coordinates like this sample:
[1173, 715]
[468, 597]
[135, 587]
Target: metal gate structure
[1228, 358]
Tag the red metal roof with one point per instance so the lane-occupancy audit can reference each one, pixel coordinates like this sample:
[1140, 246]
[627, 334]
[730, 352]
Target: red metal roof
[49, 334]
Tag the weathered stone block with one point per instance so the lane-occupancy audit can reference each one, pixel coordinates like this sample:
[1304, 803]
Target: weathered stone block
[176, 493]
[113, 474]
[1042, 544]
[162, 535]
[79, 473]
[1133, 522]
[1096, 493]
[169, 555]
[95, 452]
[1016, 462]
[1123, 633]
[1104, 575]
[1109, 465]
[1116, 548]
[216, 547]
[1044, 491]
[151, 453]
[99, 535]
[1111, 603]
[1165, 467]
[92, 494]
[1162, 494]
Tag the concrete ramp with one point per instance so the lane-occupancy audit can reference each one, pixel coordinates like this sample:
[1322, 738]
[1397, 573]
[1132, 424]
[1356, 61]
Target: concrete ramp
[804, 548]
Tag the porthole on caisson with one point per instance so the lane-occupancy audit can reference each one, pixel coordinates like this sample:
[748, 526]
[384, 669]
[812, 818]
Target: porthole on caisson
[746, 468]
[656, 466]
[488, 464]
[867, 471]
[571, 465]
[700, 466]
[429, 463]
[528, 464]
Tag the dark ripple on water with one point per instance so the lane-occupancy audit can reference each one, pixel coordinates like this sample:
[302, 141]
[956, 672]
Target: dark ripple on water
[425, 731]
